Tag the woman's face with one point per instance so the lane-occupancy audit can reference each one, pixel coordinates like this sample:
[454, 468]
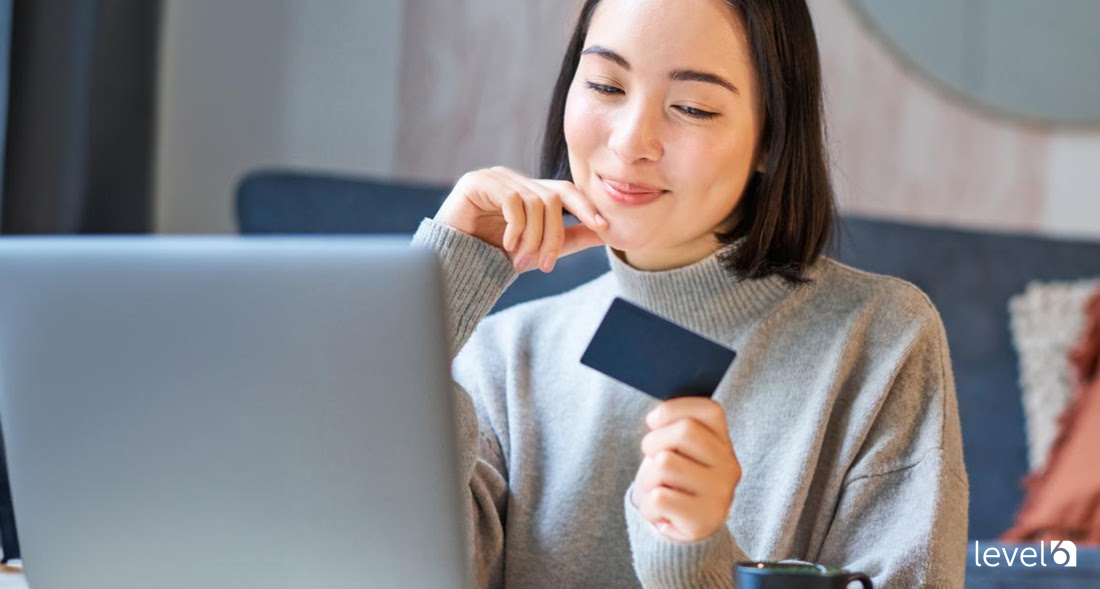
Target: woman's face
[664, 96]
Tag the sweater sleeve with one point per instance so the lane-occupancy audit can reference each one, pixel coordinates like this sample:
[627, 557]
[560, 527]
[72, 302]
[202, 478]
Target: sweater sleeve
[660, 562]
[475, 274]
[902, 512]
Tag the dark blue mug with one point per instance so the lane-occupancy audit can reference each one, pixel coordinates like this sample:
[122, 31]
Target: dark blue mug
[785, 575]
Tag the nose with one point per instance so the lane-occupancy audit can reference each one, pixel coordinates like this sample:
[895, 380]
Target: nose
[636, 135]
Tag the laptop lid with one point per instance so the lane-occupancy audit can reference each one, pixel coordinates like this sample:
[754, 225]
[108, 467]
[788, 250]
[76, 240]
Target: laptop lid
[229, 412]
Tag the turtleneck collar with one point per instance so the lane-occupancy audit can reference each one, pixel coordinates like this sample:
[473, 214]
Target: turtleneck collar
[703, 296]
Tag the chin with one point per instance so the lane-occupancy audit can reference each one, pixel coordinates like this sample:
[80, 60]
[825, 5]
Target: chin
[626, 236]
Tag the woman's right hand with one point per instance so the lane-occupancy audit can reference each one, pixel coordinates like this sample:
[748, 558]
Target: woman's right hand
[522, 216]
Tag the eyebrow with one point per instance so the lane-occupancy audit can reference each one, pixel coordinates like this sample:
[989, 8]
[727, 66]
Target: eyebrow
[678, 75]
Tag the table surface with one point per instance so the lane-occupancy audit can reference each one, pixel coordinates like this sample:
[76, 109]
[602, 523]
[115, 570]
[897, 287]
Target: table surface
[12, 581]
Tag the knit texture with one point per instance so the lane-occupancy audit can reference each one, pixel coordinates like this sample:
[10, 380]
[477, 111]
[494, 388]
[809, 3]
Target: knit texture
[840, 405]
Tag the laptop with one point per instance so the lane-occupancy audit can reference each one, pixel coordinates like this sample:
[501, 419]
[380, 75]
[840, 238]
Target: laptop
[208, 412]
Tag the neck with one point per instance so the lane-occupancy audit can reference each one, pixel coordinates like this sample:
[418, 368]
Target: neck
[668, 259]
[703, 296]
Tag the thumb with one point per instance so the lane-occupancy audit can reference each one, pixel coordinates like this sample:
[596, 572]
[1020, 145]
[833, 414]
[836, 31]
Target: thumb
[579, 237]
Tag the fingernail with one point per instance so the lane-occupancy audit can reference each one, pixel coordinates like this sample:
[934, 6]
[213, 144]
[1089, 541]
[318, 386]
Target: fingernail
[653, 415]
[545, 263]
[521, 264]
[600, 220]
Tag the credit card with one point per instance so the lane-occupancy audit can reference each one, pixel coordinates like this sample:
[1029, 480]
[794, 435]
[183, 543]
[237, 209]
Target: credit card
[654, 355]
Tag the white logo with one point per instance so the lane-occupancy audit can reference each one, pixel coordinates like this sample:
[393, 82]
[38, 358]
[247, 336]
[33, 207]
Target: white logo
[1061, 553]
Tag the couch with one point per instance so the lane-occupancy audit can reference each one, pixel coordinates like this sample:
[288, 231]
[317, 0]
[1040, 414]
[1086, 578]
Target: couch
[968, 274]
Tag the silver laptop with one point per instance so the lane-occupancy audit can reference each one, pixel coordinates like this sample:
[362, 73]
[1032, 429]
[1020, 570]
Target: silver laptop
[187, 412]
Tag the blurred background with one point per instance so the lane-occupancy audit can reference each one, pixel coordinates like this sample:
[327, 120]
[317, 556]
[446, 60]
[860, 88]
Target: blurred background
[964, 138]
[139, 115]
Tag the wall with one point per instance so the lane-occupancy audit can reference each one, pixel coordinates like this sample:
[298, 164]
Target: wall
[904, 149]
[476, 82]
[253, 83]
[428, 89]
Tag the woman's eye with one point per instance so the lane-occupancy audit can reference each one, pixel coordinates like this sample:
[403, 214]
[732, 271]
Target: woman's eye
[691, 112]
[699, 114]
[603, 89]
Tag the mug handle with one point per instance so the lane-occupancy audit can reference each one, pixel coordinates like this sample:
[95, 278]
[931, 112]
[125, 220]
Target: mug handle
[862, 578]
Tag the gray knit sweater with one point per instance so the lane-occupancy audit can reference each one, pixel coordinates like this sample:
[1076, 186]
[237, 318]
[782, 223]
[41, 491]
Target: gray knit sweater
[841, 409]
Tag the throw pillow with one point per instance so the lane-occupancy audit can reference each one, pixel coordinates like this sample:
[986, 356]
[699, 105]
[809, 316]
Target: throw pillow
[1063, 498]
[1045, 321]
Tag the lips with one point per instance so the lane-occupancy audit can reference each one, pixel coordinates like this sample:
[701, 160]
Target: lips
[630, 193]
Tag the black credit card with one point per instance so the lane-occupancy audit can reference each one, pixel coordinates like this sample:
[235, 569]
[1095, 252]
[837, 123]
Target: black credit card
[654, 355]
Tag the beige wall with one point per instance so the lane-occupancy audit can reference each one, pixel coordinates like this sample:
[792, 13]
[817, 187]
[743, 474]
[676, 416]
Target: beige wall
[476, 79]
[254, 83]
[455, 86]
[904, 149]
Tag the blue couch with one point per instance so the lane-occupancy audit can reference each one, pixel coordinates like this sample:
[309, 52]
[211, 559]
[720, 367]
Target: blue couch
[969, 275]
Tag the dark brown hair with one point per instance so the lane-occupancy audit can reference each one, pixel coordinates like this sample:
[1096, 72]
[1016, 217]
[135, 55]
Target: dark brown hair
[788, 211]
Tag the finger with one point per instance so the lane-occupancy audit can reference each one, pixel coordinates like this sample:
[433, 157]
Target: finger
[650, 477]
[553, 233]
[532, 233]
[491, 194]
[669, 469]
[515, 217]
[530, 238]
[681, 511]
[576, 238]
[511, 207]
[649, 507]
[579, 237]
[579, 204]
[704, 410]
[670, 505]
[687, 437]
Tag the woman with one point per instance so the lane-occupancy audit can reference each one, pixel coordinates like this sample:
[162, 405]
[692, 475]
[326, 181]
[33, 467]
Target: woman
[686, 136]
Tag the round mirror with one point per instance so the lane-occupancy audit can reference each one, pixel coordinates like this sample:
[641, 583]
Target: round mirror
[1022, 58]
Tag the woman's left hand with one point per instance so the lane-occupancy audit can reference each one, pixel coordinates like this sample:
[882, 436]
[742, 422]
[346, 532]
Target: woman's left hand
[686, 482]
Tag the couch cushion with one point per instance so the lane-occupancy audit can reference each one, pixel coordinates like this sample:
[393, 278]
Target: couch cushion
[288, 202]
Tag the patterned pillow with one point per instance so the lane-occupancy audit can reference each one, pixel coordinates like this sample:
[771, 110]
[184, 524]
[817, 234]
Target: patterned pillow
[1046, 320]
[1063, 498]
